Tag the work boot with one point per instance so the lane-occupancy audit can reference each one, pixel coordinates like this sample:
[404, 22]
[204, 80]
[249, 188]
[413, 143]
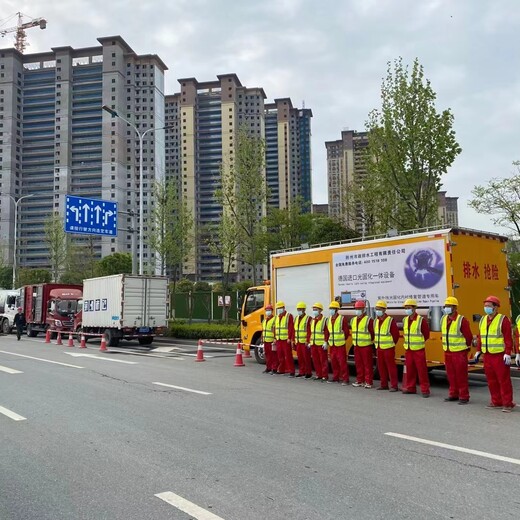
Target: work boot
[450, 399]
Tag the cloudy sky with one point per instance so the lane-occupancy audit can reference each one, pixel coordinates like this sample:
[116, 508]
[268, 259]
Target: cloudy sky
[332, 55]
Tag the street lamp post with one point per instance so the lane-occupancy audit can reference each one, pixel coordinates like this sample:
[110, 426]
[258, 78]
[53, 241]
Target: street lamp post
[140, 135]
[15, 245]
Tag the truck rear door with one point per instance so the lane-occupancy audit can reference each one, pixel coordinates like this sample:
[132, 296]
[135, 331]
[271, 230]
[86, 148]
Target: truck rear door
[145, 302]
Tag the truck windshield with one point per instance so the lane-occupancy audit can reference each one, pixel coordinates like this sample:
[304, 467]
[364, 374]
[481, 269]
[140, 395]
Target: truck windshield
[254, 301]
[66, 307]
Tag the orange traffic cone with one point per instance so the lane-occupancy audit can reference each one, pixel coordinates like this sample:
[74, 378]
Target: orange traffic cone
[48, 336]
[58, 340]
[200, 352]
[239, 362]
[83, 343]
[71, 340]
[247, 352]
[103, 347]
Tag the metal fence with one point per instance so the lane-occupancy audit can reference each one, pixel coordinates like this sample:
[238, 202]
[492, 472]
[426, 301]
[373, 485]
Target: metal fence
[204, 306]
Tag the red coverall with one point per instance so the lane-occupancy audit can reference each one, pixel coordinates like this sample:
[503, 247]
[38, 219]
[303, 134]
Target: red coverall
[457, 362]
[415, 361]
[386, 358]
[284, 347]
[363, 356]
[271, 359]
[338, 354]
[304, 353]
[498, 374]
[319, 356]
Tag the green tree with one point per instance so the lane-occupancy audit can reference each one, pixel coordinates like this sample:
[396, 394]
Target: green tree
[243, 195]
[26, 276]
[325, 229]
[411, 146]
[116, 263]
[6, 276]
[500, 200]
[58, 245]
[185, 286]
[171, 229]
[81, 262]
[201, 287]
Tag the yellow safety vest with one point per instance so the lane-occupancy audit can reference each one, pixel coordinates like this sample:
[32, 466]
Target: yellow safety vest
[383, 339]
[300, 328]
[452, 340]
[268, 329]
[413, 338]
[281, 327]
[360, 335]
[336, 334]
[491, 337]
[317, 333]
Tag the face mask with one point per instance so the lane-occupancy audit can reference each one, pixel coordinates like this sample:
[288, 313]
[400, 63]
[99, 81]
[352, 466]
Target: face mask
[409, 312]
[332, 312]
[300, 313]
[359, 312]
[488, 310]
[279, 311]
[269, 313]
[315, 313]
[379, 313]
[447, 310]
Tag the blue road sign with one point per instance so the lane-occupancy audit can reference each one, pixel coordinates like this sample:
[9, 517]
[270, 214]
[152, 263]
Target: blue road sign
[90, 216]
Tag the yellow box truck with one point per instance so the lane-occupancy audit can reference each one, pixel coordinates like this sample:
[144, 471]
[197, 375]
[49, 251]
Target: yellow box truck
[427, 266]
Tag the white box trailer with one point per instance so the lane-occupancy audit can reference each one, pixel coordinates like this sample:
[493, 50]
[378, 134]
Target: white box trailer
[125, 306]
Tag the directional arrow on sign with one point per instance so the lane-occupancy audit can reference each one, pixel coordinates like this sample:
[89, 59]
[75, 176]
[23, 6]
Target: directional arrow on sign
[97, 210]
[86, 209]
[75, 210]
[73, 354]
[107, 215]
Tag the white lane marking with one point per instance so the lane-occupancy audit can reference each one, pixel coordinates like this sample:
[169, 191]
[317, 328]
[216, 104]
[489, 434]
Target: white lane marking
[9, 370]
[146, 354]
[183, 388]
[40, 359]
[74, 354]
[12, 415]
[455, 448]
[187, 507]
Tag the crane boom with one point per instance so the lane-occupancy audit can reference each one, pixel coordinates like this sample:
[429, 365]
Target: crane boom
[19, 29]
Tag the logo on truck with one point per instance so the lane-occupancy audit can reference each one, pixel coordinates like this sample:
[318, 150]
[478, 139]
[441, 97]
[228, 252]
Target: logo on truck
[424, 268]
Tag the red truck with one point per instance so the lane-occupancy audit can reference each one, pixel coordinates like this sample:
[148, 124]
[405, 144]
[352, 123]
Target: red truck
[50, 305]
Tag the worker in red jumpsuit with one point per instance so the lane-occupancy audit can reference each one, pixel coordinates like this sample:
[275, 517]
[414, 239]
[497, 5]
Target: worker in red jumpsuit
[317, 344]
[495, 341]
[362, 327]
[386, 336]
[302, 332]
[415, 333]
[284, 337]
[336, 334]
[271, 358]
[456, 341]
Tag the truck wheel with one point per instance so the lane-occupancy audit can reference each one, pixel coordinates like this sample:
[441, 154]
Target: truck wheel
[259, 352]
[111, 338]
[145, 341]
[6, 329]
[30, 332]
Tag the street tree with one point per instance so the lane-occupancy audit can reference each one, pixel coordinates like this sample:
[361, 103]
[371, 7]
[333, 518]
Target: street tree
[171, 228]
[325, 229]
[500, 200]
[57, 244]
[27, 276]
[81, 261]
[243, 196]
[411, 146]
[116, 263]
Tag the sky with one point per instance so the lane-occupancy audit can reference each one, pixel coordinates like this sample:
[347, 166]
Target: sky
[330, 55]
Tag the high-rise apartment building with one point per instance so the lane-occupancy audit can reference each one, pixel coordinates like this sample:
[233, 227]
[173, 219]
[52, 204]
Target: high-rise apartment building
[56, 140]
[448, 210]
[288, 153]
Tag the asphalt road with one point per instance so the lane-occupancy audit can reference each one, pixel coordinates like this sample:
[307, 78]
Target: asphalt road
[98, 438]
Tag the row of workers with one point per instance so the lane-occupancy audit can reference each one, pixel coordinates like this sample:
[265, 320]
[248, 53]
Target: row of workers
[313, 336]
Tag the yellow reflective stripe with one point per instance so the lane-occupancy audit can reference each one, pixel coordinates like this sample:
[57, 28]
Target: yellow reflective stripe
[268, 329]
[318, 334]
[360, 334]
[453, 340]
[383, 338]
[413, 338]
[491, 338]
[281, 327]
[336, 334]
[301, 328]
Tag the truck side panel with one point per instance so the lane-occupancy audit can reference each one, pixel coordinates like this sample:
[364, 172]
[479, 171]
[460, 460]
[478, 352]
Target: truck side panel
[102, 302]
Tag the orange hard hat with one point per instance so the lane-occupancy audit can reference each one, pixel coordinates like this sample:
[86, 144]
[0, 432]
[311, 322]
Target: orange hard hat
[492, 299]
[360, 304]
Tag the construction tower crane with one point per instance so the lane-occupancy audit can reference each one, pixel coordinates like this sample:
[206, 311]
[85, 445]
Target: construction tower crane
[21, 38]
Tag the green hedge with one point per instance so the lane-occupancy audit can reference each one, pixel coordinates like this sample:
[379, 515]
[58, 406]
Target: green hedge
[203, 331]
